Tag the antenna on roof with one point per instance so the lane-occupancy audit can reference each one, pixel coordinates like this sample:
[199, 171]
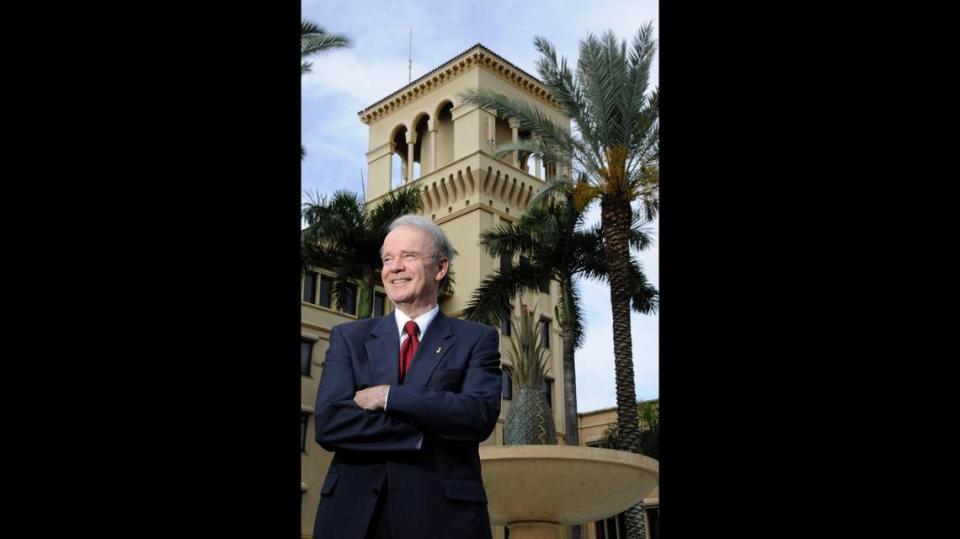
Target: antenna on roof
[410, 62]
[363, 185]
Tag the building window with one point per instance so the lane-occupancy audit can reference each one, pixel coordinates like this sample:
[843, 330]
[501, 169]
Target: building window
[304, 421]
[653, 522]
[611, 528]
[548, 391]
[550, 169]
[507, 386]
[306, 354]
[379, 301]
[545, 333]
[310, 286]
[348, 303]
[324, 291]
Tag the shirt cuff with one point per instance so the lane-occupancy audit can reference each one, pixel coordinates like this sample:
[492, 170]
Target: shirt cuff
[420, 441]
[385, 397]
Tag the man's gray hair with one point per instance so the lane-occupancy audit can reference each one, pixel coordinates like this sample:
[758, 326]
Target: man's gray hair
[442, 248]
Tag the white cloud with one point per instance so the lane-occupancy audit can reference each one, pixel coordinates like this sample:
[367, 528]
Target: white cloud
[345, 74]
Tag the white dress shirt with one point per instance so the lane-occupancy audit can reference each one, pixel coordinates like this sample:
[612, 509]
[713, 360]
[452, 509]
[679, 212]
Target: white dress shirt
[423, 322]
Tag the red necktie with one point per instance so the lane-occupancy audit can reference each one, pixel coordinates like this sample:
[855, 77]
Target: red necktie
[409, 347]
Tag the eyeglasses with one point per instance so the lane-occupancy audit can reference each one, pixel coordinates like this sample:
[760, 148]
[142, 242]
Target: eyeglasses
[408, 258]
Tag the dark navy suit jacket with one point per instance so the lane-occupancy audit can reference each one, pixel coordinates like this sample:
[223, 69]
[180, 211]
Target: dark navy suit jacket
[450, 398]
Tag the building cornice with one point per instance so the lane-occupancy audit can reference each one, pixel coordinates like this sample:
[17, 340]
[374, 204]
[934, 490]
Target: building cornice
[475, 55]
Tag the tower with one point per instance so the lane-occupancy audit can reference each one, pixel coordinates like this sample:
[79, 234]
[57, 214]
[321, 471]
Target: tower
[424, 135]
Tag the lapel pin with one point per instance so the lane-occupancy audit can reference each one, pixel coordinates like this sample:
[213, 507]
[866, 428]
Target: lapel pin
[438, 349]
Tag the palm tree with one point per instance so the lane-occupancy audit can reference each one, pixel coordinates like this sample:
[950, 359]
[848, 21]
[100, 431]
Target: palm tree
[553, 246]
[616, 147]
[648, 421]
[315, 40]
[345, 235]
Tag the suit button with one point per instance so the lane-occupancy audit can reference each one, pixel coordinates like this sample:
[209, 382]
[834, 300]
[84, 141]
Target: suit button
[374, 492]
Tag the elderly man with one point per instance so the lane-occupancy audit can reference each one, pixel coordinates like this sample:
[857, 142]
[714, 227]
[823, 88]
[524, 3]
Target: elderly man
[404, 402]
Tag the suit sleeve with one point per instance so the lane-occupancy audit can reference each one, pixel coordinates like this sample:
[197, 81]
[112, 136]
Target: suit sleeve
[465, 417]
[341, 424]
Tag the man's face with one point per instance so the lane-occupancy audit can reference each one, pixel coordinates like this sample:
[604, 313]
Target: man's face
[410, 275]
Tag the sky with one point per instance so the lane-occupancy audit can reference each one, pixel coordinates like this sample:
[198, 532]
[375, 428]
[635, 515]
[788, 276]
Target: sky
[340, 86]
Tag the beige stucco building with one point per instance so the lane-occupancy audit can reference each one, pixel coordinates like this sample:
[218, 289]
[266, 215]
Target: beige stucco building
[424, 134]
[592, 426]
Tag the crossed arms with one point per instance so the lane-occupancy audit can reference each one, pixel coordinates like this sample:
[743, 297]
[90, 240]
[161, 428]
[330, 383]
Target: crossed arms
[466, 417]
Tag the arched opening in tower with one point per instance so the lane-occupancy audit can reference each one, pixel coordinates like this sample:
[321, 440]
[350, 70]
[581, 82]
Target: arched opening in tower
[422, 151]
[398, 159]
[445, 141]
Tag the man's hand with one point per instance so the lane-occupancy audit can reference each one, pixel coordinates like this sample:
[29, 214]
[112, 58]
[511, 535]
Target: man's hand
[371, 398]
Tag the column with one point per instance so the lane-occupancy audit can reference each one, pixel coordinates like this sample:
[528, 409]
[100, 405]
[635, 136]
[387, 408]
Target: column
[411, 140]
[515, 128]
[392, 148]
[491, 134]
[432, 126]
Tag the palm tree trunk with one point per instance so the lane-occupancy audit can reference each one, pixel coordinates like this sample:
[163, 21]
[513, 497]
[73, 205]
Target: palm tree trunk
[615, 217]
[635, 522]
[570, 384]
[571, 425]
[615, 220]
[364, 300]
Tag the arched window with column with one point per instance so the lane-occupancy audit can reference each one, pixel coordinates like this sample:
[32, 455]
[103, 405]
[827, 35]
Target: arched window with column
[526, 161]
[444, 133]
[398, 167]
[422, 150]
[502, 134]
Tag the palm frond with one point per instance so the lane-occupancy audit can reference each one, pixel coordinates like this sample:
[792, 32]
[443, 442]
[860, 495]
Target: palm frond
[506, 240]
[314, 40]
[577, 318]
[641, 232]
[644, 297]
[530, 361]
[595, 78]
[321, 43]
[309, 27]
[401, 201]
[592, 260]
[529, 118]
[593, 263]
[556, 187]
[340, 234]
[491, 301]
[566, 90]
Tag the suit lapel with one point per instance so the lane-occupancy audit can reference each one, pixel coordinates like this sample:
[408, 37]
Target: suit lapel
[383, 351]
[433, 348]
